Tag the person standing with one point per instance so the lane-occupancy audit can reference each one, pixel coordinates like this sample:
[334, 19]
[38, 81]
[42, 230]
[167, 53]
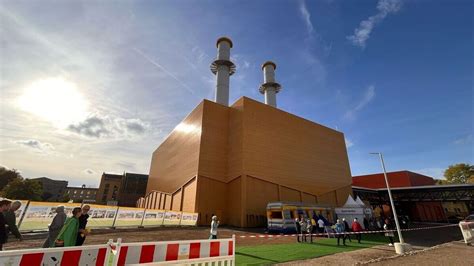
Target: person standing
[309, 229]
[366, 224]
[321, 225]
[303, 226]
[55, 226]
[387, 227]
[298, 229]
[347, 229]
[357, 228]
[214, 225]
[81, 236]
[10, 219]
[341, 232]
[67, 237]
[4, 205]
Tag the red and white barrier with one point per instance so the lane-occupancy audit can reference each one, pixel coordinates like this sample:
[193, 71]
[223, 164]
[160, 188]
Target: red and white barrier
[350, 233]
[467, 229]
[70, 256]
[181, 252]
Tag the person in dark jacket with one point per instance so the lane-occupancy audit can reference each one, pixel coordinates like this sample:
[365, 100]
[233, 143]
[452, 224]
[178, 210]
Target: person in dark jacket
[347, 229]
[4, 205]
[366, 224]
[298, 229]
[55, 227]
[82, 233]
[10, 219]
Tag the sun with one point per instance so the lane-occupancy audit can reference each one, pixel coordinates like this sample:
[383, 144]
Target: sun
[56, 100]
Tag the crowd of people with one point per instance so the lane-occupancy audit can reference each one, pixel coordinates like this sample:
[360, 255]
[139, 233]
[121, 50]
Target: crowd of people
[307, 227]
[62, 232]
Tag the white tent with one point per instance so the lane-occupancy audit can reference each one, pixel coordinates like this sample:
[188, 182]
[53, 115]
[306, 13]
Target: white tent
[352, 209]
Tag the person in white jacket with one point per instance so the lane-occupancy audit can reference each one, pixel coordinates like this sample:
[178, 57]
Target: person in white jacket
[214, 225]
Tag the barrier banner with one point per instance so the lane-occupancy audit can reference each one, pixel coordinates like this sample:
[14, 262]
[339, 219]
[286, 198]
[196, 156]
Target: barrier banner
[188, 218]
[467, 229]
[129, 216]
[172, 218]
[153, 218]
[101, 216]
[40, 214]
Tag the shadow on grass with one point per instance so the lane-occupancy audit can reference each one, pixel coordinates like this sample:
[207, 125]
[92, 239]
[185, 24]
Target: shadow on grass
[256, 257]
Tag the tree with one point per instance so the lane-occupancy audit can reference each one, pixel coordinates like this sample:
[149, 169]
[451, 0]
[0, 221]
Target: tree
[460, 173]
[7, 175]
[23, 189]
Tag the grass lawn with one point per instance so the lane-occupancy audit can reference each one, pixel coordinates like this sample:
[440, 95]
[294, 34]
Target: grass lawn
[270, 254]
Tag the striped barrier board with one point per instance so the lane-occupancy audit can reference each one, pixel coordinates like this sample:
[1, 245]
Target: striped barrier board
[71, 256]
[169, 251]
[467, 230]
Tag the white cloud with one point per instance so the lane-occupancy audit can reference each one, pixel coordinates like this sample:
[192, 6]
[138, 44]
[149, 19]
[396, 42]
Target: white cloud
[362, 33]
[306, 16]
[97, 126]
[349, 143]
[36, 145]
[368, 96]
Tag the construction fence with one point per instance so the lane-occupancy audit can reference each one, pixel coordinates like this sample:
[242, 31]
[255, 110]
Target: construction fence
[36, 216]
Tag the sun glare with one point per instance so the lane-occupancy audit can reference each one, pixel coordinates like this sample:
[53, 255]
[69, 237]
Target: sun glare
[55, 100]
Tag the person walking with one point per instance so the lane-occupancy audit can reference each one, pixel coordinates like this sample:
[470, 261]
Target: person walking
[321, 225]
[340, 232]
[388, 226]
[214, 225]
[10, 219]
[4, 205]
[81, 236]
[347, 229]
[67, 237]
[55, 226]
[298, 229]
[357, 228]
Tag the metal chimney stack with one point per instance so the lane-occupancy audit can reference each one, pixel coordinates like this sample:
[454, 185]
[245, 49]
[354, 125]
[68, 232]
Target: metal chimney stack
[223, 68]
[269, 87]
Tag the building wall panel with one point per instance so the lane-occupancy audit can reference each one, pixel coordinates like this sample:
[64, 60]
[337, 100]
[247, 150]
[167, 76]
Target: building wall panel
[176, 201]
[288, 150]
[288, 194]
[189, 196]
[176, 160]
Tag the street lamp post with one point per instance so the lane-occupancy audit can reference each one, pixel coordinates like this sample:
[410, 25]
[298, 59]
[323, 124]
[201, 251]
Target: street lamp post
[402, 242]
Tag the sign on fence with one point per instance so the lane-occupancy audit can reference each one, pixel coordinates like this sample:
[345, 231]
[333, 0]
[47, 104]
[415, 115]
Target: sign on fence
[38, 215]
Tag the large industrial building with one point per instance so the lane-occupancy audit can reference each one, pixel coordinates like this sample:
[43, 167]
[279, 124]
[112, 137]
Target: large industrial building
[232, 160]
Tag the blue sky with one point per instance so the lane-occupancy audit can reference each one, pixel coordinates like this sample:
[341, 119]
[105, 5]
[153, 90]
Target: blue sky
[395, 76]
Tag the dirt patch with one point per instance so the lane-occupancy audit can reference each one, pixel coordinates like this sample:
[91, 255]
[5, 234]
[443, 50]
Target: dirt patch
[160, 234]
[454, 253]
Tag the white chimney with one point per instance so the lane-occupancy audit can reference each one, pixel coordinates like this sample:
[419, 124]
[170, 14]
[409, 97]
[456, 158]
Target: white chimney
[269, 87]
[223, 68]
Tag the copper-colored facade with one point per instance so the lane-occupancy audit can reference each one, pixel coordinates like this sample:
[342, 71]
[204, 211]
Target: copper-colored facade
[232, 161]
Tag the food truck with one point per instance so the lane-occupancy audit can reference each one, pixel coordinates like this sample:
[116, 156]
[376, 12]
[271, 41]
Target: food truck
[281, 215]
